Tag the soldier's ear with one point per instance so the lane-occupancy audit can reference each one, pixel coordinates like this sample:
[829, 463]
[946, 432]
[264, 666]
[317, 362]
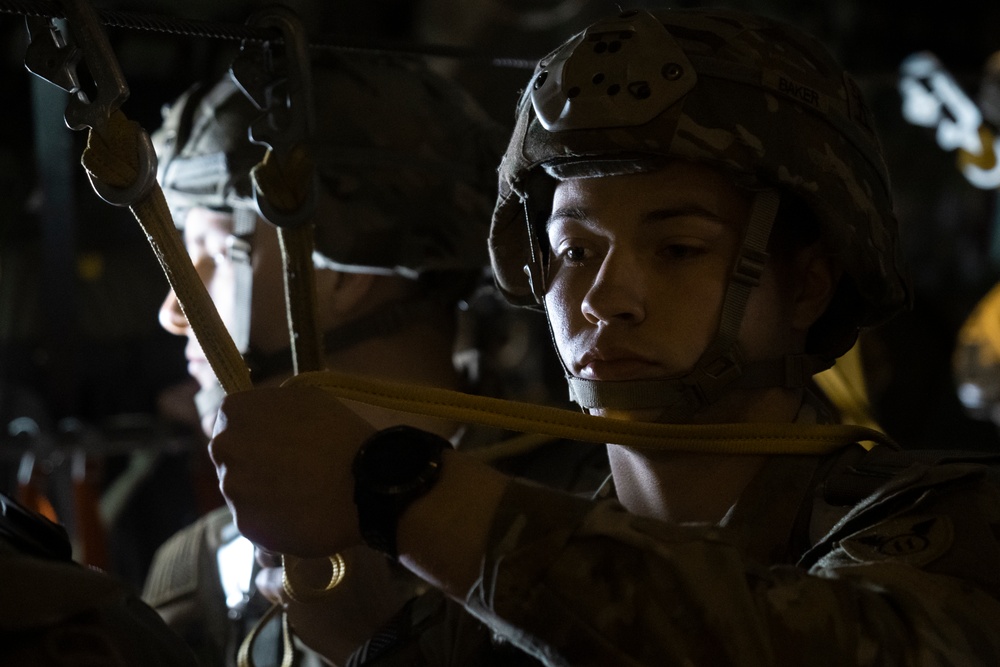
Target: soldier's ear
[342, 294]
[815, 281]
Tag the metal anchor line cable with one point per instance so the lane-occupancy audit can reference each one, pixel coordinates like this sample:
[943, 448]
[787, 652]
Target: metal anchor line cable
[218, 30]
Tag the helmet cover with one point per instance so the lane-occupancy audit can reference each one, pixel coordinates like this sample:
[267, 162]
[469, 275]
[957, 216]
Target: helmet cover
[406, 161]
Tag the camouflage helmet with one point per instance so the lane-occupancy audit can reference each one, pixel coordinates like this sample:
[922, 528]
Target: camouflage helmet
[406, 157]
[740, 92]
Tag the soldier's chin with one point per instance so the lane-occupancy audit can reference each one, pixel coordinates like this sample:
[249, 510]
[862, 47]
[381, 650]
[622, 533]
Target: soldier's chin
[207, 400]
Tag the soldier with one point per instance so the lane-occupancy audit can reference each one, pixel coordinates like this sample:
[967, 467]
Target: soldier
[57, 612]
[698, 200]
[407, 170]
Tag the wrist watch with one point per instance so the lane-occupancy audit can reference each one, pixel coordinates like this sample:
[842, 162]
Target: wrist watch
[393, 468]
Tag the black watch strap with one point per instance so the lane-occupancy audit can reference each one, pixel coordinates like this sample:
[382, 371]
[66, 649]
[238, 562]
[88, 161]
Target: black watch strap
[392, 469]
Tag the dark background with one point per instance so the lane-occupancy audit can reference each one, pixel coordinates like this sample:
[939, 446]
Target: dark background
[84, 365]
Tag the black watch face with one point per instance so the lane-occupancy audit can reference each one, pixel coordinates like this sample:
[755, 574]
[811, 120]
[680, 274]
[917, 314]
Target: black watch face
[398, 463]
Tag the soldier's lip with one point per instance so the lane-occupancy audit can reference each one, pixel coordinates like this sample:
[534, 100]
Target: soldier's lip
[597, 365]
[196, 365]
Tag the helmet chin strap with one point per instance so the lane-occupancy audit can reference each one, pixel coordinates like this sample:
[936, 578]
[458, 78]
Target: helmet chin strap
[387, 319]
[239, 250]
[686, 394]
[722, 366]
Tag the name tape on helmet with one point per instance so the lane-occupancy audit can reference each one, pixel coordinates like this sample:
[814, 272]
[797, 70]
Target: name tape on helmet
[786, 86]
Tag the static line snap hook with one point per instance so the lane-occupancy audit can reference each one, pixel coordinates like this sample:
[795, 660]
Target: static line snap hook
[287, 123]
[54, 55]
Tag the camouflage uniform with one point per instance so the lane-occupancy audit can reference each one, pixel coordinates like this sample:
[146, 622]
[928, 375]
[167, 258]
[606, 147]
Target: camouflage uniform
[55, 612]
[855, 558]
[434, 630]
[906, 576]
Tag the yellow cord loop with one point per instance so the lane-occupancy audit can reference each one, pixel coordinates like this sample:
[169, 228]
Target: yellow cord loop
[742, 438]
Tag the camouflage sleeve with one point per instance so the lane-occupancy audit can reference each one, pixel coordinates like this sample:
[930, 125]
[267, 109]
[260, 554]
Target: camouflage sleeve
[432, 630]
[607, 587]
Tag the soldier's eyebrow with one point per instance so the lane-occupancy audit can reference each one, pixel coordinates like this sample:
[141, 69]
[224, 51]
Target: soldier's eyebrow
[664, 214]
[567, 212]
[684, 211]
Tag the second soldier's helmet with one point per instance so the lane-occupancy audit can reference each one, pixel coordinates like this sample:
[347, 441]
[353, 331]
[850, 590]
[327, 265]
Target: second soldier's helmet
[407, 156]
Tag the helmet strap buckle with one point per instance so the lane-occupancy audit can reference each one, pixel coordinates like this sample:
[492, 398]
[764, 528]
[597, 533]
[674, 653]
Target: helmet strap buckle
[716, 372]
[535, 269]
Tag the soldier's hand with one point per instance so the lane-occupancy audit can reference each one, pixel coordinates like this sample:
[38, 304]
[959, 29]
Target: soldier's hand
[283, 457]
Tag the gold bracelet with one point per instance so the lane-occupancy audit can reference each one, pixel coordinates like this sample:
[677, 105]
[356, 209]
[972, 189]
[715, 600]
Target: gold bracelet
[289, 564]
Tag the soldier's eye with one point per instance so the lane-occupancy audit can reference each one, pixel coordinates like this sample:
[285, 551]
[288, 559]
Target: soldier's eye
[573, 254]
[681, 250]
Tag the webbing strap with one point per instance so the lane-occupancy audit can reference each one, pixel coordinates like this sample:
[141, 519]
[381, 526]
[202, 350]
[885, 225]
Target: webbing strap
[244, 656]
[747, 271]
[749, 264]
[383, 320]
[790, 372]
[118, 158]
[628, 394]
[300, 297]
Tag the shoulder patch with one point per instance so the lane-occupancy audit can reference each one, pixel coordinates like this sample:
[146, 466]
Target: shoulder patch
[915, 540]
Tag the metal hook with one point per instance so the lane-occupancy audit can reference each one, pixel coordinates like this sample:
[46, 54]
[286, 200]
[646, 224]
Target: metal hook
[286, 99]
[49, 56]
[54, 55]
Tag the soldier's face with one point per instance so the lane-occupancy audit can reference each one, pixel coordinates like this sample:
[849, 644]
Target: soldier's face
[639, 266]
[218, 257]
